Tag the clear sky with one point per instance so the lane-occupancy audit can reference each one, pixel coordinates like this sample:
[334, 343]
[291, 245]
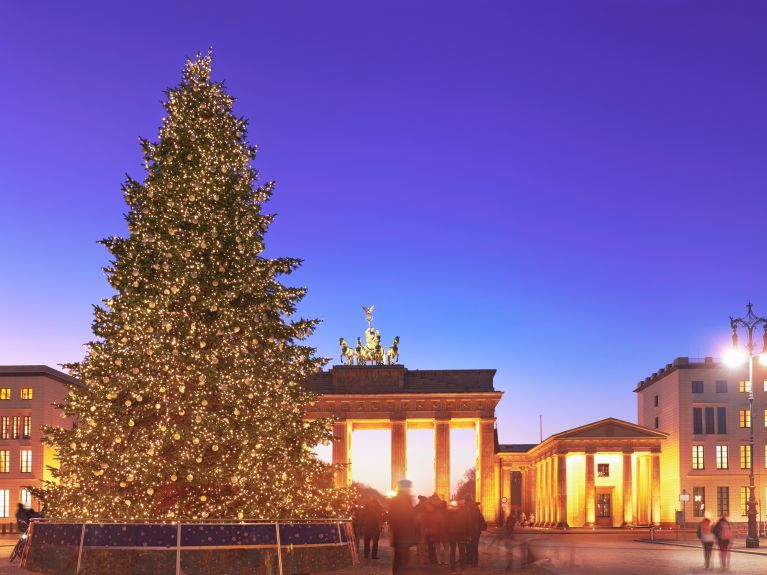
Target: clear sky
[572, 193]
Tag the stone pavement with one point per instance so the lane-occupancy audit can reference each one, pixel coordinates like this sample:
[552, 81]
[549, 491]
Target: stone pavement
[556, 553]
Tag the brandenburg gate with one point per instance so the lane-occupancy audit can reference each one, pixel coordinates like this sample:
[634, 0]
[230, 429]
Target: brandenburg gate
[394, 398]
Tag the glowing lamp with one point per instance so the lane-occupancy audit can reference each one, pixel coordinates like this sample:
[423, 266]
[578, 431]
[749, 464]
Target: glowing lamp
[734, 357]
[391, 493]
[763, 358]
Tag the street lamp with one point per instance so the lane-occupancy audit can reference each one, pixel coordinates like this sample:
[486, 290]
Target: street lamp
[736, 357]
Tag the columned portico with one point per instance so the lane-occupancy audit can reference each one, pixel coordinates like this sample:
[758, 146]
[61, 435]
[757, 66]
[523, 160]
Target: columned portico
[606, 473]
[393, 398]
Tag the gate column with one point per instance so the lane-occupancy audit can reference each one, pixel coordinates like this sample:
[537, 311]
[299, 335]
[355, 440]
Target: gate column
[342, 446]
[488, 493]
[442, 458]
[398, 451]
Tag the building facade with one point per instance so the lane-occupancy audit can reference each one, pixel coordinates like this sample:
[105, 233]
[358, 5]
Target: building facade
[606, 473]
[703, 406]
[27, 395]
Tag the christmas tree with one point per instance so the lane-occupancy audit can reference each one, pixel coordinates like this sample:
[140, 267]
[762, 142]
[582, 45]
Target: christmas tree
[191, 402]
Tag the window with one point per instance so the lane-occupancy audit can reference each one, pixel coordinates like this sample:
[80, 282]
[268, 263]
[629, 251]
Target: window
[5, 427]
[697, 457]
[657, 423]
[722, 500]
[603, 505]
[15, 431]
[744, 501]
[26, 431]
[698, 501]
[721, 420]
[26, 393]
[26, 461]
[25, 497]
[744, 386]
[710, 420]
[697, 420]
[765, 417]
[721, 386]
[722, 457]
[5, 496]
[5, 393]
[697, 387]
[5, 461]
[656, 401]
[603, 470]
[745, 457]
[745, 418]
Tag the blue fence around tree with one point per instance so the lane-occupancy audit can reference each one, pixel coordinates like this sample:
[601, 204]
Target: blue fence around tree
[72, 547]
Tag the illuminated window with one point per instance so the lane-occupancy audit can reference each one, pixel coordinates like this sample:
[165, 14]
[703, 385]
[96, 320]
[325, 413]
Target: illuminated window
[5, 461]
[765, 417]
[5, 393]
[744, 386]
[721, 387]
[697, 387]
[5, 497]
[25, 497]
[765, 456]
[603, 470]
[698, 501]
[745, 418]
[5, 427]
[697, 457]
[722, 457]
[744, 501]
[722, 500]
[26, 461]
[26, 431]
[745, 457]
[16, 429]
[26, 393]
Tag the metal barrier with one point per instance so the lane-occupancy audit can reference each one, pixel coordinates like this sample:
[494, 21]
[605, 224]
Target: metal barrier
[75, 546]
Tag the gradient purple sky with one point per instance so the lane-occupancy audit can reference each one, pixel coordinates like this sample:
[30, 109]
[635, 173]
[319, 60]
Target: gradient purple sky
[570, 192]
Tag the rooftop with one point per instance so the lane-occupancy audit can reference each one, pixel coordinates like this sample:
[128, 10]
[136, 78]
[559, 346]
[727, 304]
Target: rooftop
[678, 363]
[36, 370]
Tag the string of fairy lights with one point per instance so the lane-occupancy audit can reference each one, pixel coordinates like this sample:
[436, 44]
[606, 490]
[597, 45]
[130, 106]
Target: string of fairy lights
[191, 404]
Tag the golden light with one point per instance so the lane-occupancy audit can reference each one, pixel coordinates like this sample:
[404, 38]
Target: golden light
[734, 357]
[391, 493]
[763, 358]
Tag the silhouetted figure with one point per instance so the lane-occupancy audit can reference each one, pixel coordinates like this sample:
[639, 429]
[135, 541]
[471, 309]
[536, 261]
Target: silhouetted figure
[477, 524]
[723, 532]
[371, 520]
[706, 536]
[436, 530]
[458, 533]
[402, 525]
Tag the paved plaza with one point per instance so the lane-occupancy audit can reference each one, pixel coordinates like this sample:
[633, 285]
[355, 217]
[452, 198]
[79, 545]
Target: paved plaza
[556, 553]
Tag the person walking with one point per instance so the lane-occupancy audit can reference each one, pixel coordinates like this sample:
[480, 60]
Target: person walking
[706, 536]
[402, 525]
[723, 533]
[458, 534]
[371, 522]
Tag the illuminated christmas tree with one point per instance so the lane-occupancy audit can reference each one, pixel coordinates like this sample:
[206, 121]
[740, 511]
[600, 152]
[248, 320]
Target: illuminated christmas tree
[191, 404]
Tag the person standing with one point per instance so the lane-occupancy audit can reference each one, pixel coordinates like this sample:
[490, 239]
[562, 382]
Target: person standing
[458, 534]
[371, 520]
[402, 525]
[477, 525]
[706, 536]
[723, 532]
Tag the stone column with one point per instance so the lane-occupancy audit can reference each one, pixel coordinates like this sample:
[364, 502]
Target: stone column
[342, 444]
[488, 492]
[655, 492]
[561, 490]
[590, 490]
[628, 492]
[538, 496]
[398, 451]
[442, 458]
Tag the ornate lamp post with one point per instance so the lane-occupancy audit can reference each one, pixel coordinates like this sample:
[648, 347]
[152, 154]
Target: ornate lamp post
[735, 357]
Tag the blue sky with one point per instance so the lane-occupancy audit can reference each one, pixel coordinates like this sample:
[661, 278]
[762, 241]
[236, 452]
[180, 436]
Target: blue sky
[571, 193]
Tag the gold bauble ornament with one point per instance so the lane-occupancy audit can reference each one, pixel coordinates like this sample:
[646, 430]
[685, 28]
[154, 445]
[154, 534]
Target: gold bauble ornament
[118, 439]
[123, 484]
[73, 445]
[150, 491]
[203, 498]
[196, 441]
[189, 477]
[176, 436]
[173, 477]
[215, 448]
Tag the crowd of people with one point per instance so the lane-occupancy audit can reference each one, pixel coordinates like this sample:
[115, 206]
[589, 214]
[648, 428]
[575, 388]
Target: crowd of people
[442, 533]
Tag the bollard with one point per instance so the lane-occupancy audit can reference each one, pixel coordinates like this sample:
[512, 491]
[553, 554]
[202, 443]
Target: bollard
[652, 533]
